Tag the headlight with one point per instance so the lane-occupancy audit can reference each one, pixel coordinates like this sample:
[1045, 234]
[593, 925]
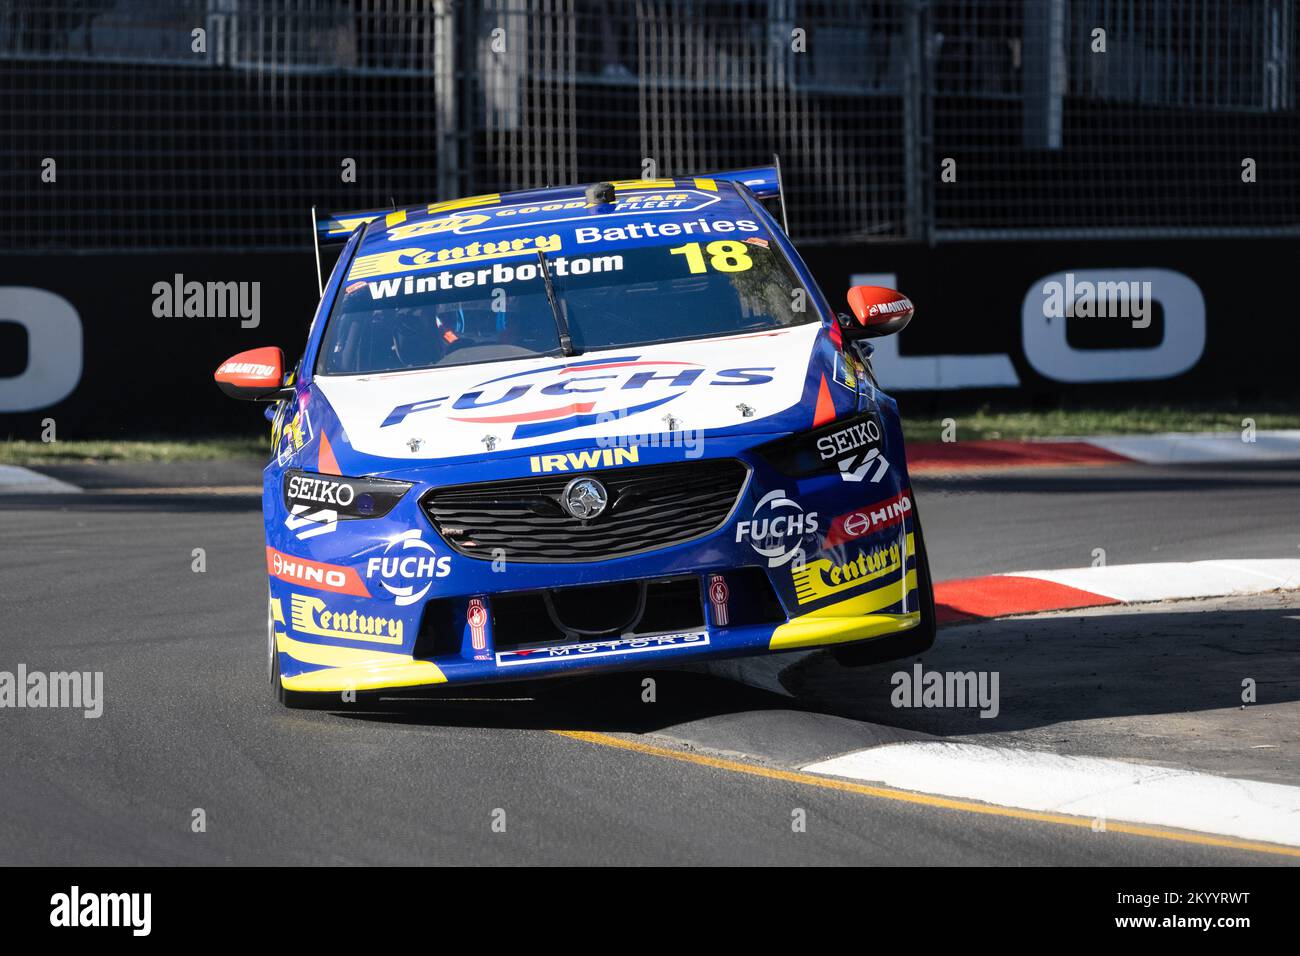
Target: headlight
[349, 497]
[820, 449]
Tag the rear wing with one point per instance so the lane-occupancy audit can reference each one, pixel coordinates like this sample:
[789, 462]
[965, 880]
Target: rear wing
[335, 228]
[763, 181]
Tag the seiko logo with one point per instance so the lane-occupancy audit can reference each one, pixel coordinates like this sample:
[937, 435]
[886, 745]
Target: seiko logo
[321, 491]
[848, 439]
[583, 460]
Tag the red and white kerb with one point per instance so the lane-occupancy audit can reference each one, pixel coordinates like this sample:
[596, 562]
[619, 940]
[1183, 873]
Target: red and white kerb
[718, 595]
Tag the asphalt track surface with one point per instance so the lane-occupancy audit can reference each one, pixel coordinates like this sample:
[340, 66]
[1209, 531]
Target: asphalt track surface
[588, 773]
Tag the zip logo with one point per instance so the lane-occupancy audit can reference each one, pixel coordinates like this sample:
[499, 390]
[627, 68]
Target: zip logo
[305, 523]
[856, 468]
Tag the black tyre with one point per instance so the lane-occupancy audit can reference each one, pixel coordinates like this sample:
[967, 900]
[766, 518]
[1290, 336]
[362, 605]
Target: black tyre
[909, 643]
[293, 699]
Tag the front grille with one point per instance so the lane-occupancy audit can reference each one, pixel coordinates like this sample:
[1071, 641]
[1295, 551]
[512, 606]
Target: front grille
[650, 506]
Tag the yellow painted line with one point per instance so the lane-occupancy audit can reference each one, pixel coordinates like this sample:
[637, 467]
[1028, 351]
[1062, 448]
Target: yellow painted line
[923, 799]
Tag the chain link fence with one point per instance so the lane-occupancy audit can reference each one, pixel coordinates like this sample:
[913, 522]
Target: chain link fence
[1108, 118]
[154, 125]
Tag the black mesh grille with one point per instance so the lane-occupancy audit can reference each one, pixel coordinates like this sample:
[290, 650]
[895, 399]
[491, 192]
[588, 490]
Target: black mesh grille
[651, 506]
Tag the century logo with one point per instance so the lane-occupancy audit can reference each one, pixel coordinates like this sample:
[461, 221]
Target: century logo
[311, 615]
[827, 577]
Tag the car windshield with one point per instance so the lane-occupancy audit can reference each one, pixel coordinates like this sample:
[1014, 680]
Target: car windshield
[614, 298]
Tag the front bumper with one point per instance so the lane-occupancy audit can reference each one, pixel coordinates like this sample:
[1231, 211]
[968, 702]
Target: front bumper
[338, 625]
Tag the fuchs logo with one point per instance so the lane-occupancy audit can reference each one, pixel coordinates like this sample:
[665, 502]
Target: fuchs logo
[875, 518]
[777, 528]
[407, 563]
[621, 645]
[560, 398]
[850, 439]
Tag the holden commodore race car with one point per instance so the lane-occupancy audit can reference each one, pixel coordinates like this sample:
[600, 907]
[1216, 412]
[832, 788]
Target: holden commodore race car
[576, 429]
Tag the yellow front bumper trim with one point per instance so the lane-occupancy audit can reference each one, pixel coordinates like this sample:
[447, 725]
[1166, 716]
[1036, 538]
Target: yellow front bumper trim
[354, 668]
[856, 619]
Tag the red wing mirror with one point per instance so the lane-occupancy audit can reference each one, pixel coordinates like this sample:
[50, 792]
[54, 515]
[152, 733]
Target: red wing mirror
[877, 311]
[254, 376]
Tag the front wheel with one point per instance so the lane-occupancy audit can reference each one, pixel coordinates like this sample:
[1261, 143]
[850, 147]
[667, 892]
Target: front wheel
[909, 643]
[293, 699]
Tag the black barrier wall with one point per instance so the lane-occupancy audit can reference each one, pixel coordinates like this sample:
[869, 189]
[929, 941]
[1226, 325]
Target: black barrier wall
[118, 346]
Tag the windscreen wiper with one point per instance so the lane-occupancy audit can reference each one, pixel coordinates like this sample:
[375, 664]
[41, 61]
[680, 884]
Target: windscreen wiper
[561, 323]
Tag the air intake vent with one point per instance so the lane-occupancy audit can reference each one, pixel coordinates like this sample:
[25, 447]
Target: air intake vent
[649, 506]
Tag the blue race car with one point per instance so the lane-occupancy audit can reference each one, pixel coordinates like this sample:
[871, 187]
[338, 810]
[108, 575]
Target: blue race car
[580, 429]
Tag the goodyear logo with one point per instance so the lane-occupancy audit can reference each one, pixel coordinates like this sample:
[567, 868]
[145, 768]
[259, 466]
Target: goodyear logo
[310, 615]
[583, 460]
[827, 577]
[411, 259]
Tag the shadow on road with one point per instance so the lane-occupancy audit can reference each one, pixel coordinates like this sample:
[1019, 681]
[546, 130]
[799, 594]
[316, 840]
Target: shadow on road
[1159, 684]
